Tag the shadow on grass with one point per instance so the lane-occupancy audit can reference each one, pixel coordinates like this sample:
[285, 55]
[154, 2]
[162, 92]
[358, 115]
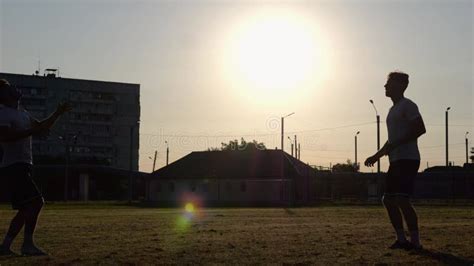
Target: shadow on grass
[444, 258]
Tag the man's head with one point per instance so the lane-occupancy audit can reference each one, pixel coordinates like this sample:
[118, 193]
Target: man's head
[397, 82]
[9, 95]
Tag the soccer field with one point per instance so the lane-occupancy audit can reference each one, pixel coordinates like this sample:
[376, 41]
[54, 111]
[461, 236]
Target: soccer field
[111, 234]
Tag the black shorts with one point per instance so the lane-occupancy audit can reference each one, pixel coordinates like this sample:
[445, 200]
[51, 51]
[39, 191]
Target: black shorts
[21, 187]
[401, 177]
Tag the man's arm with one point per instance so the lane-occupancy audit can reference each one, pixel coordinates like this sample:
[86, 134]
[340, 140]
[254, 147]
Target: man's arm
[35, 123]
[379, 154]
[416, 129]
[51, 120]
[7, 134]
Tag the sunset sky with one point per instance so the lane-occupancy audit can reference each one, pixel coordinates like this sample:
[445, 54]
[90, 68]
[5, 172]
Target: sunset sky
[211, 71]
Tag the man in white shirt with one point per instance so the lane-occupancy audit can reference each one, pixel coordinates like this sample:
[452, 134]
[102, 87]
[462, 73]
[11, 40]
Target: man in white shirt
[16, 130]
[405, 125]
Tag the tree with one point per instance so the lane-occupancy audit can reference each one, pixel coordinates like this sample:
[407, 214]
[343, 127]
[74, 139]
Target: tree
[349, 166]
[234, 145]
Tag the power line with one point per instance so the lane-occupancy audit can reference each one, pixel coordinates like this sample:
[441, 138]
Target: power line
[207, 136]
[439, 125]
[332, 128]
[254, 134]
[443, 125]
[441, 146]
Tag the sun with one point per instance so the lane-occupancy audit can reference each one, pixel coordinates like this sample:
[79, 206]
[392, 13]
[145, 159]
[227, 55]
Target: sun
[274, 53]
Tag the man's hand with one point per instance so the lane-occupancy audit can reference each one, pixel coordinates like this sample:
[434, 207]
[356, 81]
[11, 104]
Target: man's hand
[49, 122]
[369, 162]
[385, 150]
[63, 108]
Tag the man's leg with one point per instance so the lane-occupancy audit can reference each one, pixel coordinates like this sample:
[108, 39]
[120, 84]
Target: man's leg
[15, 227]
[395, 216]
[411, 219]
[31, 219]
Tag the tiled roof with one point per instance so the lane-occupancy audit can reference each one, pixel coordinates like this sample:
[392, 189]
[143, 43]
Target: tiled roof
[251, 164]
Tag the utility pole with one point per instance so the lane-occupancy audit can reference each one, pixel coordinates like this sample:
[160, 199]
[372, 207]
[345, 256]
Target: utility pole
[154, 161]
[283, 129]
[291, 142]
[66, 174]
[378, 133]
[299, 151]
[355, 140]
[447, 144]
[167, 152]
[130, 174]
[467, 147]
[378, 141]
[296, 147]
[68, 158]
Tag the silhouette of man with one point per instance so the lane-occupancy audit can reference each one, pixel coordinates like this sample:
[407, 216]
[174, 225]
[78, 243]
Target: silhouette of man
[405, 125]
[16, 130]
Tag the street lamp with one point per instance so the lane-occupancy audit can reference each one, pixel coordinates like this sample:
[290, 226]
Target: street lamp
[355, 140]
[283, 129]
[467, 147]
[378, 133]
[447, 143]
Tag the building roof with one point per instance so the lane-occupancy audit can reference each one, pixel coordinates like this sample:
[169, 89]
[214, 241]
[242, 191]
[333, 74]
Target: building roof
[248, 164]
[88, 169]
[69, 79]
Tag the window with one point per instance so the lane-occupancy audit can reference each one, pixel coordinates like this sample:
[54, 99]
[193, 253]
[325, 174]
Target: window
[171, 186]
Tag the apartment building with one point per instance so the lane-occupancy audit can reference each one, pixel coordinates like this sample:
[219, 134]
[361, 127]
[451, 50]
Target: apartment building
[102, 129]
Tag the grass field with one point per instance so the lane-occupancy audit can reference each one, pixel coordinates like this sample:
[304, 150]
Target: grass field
[111, 234]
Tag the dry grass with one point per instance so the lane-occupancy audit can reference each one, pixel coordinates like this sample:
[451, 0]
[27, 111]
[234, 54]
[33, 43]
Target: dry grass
[108, 234]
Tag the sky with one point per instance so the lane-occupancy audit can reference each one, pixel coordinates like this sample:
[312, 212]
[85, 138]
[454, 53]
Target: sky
[212, 71]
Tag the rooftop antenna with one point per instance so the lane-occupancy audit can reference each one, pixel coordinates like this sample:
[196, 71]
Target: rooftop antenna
[50, 72]
[38, 70]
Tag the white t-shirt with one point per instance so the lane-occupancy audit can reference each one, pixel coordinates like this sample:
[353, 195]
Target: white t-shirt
[18, 151]
[398, 121]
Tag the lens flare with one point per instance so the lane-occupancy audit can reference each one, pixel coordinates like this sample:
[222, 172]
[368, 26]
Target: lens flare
[183, 223]
[189, 207]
